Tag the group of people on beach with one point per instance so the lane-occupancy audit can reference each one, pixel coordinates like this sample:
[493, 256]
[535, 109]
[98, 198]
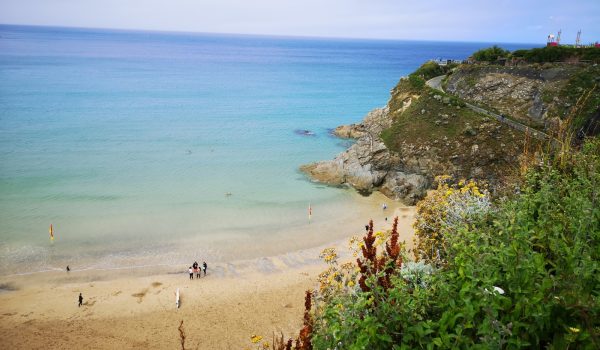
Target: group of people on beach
[197, 269]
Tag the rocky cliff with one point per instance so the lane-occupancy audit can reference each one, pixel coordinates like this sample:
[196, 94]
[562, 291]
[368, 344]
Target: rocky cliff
[368, 164]
[422, 133]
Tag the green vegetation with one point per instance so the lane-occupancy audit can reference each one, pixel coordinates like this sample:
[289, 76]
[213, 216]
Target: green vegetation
[524, 273]
[429, 119]
[491, 54]
[541, 55]
[580, 96]
[427, 71]
[416, 82]
[559, 54]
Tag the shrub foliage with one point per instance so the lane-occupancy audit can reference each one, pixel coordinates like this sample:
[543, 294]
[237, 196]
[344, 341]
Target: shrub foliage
[559, 54]
[523, 274]
[442, 212]
[491, 54]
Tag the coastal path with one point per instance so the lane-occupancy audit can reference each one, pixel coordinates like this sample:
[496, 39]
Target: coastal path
[436, 84]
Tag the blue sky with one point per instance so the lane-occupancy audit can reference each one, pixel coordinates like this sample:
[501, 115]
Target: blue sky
[528, 21]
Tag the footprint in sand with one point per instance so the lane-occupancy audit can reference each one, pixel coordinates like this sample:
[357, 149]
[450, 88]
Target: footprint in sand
[140, 295]
[116, 293]
[156, 285]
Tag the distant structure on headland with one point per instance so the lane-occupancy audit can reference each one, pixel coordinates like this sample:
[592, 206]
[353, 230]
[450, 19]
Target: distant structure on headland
[551, 41]
[555, 40]
[444, 62]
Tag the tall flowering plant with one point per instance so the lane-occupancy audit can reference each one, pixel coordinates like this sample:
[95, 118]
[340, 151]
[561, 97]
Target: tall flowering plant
[444, 210]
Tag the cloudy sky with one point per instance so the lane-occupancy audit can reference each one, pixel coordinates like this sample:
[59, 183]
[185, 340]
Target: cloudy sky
[528, 21]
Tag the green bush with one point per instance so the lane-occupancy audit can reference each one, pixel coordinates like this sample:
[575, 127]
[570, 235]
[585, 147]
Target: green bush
[425, 72]
[525, 275]
[491, 54]
[416, 82]
[429, 70]
[559, 54]
[581, 96]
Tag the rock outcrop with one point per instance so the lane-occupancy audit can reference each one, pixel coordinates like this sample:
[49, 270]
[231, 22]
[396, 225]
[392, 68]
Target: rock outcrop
[373, 124]
[368, 165]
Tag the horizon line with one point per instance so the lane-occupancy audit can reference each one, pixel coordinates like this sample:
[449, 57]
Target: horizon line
[291, 36]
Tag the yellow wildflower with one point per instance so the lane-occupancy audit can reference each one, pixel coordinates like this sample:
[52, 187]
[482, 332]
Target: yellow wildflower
[329, 255]
[256, 338]
[347, 266]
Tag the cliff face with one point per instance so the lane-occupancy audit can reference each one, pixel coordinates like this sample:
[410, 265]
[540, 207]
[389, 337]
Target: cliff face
[539, 96]
[422, 133]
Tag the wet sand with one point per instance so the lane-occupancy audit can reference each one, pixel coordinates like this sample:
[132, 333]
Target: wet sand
[135, 309]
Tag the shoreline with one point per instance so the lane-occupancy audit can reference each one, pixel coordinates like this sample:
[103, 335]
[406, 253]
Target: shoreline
[330, 222]
[220, 311]
[290, 259]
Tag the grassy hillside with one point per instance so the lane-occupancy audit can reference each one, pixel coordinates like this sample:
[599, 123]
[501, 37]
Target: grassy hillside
[428, 124]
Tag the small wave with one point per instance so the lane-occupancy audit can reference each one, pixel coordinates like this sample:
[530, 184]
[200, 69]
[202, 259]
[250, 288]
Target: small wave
[90, 269]
[82, 197]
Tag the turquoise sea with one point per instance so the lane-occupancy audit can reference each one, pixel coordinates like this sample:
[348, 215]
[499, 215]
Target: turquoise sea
[128, 141]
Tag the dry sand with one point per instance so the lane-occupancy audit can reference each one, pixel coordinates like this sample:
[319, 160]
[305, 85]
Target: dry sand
[124, 311]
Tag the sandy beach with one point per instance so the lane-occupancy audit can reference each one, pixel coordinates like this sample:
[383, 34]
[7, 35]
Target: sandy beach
[134, 309]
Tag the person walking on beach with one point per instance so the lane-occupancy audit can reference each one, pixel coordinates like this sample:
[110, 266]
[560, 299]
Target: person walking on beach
[204, 266]
[191, 273]
[80, 299]
[196, 269]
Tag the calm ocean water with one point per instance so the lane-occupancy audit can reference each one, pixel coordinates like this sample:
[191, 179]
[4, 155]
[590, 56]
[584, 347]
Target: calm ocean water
[127, 142]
